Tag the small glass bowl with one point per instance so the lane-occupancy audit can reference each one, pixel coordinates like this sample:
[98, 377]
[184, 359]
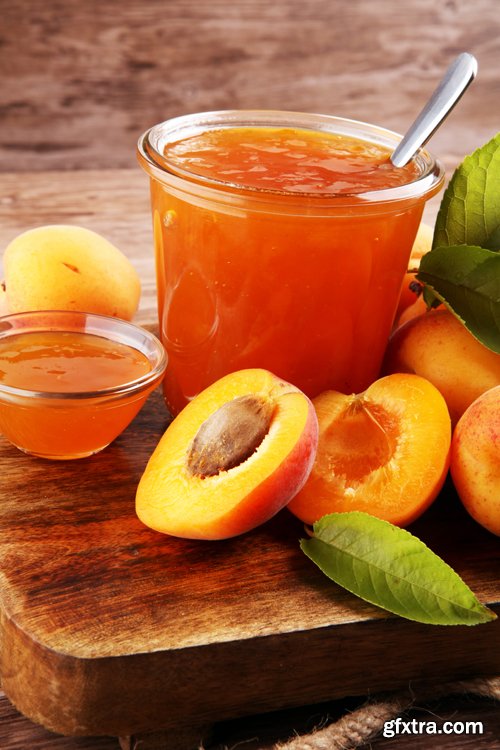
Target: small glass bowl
[67, 425]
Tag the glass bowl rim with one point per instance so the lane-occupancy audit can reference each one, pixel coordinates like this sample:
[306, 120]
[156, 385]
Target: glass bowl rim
[100, 325]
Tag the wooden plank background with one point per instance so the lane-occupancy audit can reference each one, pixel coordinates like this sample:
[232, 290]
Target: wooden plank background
[80, 80]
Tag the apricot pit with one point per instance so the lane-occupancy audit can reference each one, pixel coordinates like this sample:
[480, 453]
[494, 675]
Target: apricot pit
[230, 435]
[231, 459]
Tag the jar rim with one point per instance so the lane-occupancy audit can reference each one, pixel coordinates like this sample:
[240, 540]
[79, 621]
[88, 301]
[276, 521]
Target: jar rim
[152, 143]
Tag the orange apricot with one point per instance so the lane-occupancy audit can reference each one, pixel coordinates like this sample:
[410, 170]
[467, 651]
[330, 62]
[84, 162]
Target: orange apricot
[384, 451]
[416, 308]
[4, 305]
[438, 347]
[411, 292]
[475, 460]
[421, 245]
[231, 459]
[411, 288]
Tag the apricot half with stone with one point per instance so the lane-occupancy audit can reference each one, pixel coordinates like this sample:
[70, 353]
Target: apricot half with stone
[384, 451]
[231, 459]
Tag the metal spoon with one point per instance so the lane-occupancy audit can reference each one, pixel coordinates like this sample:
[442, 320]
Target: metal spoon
[457, 78]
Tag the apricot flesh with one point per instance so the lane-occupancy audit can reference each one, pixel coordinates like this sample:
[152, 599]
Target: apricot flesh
[231, 459]
[63, 267]
[475, 460]
[384, 451]
[438, 347]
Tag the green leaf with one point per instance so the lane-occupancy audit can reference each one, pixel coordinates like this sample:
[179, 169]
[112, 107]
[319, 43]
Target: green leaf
[493, 241]
[469, 213]
[389, 567]
[467, 280]
[468, 221]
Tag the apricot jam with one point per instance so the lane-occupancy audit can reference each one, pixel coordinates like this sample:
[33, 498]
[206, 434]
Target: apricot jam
[288, 160]
[281, 243]
[68, 393]
[68, 362]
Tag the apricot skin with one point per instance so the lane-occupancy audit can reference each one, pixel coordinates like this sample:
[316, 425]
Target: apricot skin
[416, 308]
[438, 347]
[384, 452]
[174, 500]
[421, 245]
[62, 267]
[4, 307]
[475, 460]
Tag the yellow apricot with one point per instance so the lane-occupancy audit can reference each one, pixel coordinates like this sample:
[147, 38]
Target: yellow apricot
[421, 245]
[62, 267]
[411, 288]
[4, 307]
[438, 347]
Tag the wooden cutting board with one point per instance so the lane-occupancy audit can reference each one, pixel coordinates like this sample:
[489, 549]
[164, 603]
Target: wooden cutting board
[107, 627]
[110, 628]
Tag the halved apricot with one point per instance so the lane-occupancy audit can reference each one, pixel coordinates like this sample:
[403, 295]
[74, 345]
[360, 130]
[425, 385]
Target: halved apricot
[384, 451]
[231, 459]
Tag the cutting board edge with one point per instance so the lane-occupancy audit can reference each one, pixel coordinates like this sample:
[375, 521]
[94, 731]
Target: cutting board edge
[151, 691]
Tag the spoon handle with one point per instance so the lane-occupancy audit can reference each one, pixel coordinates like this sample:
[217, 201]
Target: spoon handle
[459, 75]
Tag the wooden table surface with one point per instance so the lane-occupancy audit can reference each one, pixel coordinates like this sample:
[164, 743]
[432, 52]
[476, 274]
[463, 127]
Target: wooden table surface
[81, 81]
[116, 203]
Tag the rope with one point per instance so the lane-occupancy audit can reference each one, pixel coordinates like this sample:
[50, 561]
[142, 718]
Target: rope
[359, 727]
[354, 730]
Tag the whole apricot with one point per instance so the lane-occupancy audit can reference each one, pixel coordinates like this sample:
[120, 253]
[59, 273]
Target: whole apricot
[421, 245]
[4, 307]
[438, 347]
[61, 267]
[475, 460]
[384, 451]
[411, 293]
[411, 288]
[231, 459]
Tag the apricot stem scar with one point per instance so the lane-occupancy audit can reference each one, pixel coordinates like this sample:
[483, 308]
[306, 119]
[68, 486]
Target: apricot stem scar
[230, 435]
[71, 267]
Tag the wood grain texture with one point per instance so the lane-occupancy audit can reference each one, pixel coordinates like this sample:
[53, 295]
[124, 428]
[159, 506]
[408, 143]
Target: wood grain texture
[81, 81]
[110, 628]
[262, 731]
[98, 613]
